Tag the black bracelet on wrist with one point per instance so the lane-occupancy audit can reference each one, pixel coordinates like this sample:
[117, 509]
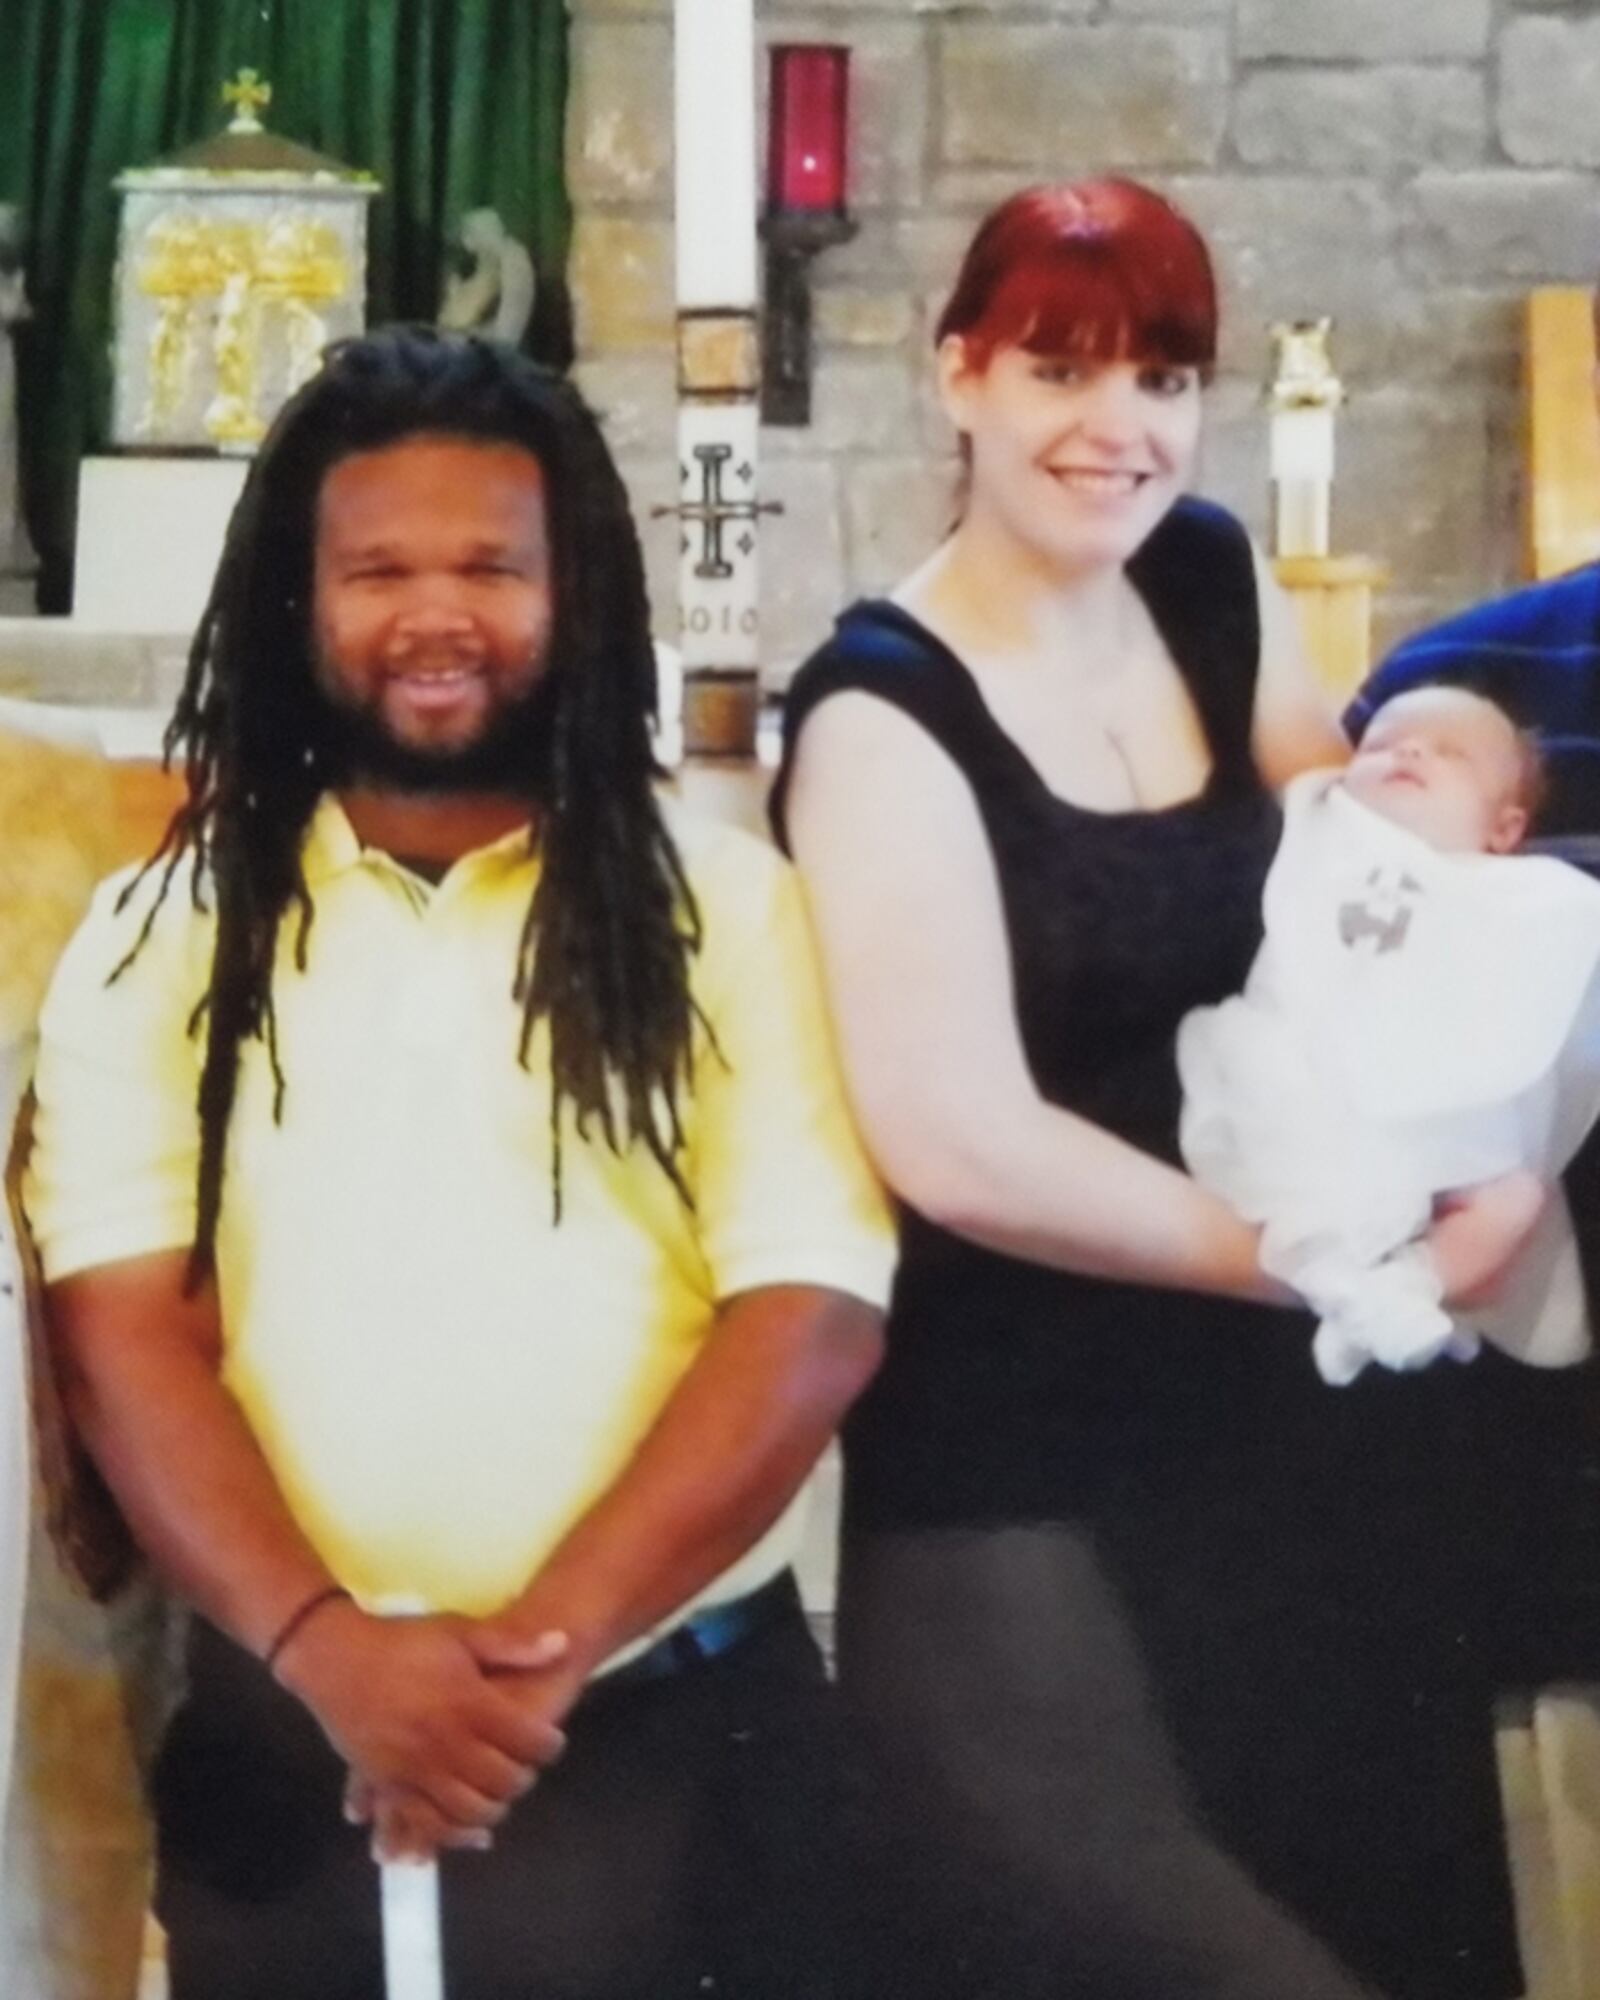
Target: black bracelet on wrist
[298, 1617]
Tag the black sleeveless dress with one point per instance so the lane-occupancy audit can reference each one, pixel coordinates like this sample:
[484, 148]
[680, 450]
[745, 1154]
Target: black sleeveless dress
[1287, 1554]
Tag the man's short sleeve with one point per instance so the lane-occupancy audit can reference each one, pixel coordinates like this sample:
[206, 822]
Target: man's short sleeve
[116, 1135]
[783, 1190]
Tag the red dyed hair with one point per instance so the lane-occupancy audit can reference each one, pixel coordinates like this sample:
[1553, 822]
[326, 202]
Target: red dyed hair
[1105, 269]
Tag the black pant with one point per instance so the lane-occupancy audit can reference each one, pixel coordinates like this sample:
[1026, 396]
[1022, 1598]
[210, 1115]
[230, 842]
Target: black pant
[1031, 1836]
[686, 1845]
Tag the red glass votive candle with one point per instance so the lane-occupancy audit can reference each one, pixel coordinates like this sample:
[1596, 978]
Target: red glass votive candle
[807, 128]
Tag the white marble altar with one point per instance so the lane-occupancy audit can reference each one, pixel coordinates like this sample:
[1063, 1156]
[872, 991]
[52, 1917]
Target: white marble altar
[150, 531]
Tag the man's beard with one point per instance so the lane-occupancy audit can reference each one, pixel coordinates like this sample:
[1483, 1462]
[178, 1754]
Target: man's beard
[510, 755]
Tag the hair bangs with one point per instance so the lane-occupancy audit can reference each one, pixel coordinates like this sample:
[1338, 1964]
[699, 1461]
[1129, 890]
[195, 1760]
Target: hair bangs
[1105, 269]
[1095, 304]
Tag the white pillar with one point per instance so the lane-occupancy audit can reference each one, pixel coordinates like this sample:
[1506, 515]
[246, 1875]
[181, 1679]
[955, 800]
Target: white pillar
[718, 372]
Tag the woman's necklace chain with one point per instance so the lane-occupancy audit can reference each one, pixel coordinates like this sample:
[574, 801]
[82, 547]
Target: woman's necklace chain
[1116, 743]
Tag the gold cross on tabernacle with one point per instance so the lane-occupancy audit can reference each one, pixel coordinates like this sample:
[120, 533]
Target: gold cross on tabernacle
[248, 95]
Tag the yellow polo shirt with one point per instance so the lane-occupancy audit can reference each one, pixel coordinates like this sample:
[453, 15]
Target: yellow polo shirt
[440, 1377]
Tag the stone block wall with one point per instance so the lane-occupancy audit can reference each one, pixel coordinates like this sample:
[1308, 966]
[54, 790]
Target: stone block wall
[1410, 166]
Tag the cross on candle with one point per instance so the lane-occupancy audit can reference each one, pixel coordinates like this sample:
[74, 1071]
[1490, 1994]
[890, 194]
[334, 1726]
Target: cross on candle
[248, 94]
[714, 511]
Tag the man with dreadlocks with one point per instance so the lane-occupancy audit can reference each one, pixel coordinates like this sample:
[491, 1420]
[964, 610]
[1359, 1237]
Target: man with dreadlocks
[446, 1198]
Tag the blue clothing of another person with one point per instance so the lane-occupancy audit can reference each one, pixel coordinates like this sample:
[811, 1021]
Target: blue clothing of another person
[1536, 1522]
[1537, 654]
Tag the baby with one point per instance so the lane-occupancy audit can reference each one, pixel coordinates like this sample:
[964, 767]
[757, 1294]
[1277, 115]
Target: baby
[1450, 765]
[1423, 1017]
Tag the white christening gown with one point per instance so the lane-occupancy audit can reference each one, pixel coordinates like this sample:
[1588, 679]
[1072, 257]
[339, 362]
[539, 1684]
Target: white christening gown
[1414, 1023]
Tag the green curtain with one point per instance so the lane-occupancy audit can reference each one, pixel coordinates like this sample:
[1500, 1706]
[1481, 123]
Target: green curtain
[453, 104]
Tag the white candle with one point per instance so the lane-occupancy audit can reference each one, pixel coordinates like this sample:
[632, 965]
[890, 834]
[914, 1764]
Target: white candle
[1302, 479]
[413, 1942]
[413, 1952]
[715, 72]
[1302, 443]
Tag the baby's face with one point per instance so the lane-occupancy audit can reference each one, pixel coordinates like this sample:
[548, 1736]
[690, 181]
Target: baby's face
[1447, 765]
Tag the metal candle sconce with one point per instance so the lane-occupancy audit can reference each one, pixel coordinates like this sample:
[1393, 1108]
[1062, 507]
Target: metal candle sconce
[807, 154]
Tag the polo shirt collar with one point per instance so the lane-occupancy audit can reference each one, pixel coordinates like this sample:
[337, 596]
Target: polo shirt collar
[331, 846]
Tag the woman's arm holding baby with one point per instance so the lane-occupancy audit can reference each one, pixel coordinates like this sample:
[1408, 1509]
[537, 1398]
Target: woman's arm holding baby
[903, 895]
[1479, 1233]
[1295, 727]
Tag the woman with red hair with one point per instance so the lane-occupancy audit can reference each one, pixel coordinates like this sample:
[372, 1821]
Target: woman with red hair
[1155, 1642]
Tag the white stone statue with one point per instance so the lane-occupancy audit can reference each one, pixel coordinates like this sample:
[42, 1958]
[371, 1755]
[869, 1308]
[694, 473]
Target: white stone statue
[495, 294]
[17, 557]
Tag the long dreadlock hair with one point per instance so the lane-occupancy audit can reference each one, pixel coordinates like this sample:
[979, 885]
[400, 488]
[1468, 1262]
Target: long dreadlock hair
[604, 950]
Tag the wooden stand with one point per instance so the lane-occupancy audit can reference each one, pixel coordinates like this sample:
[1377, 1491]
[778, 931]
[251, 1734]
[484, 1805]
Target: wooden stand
[1561, 475]
[1333, 596]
